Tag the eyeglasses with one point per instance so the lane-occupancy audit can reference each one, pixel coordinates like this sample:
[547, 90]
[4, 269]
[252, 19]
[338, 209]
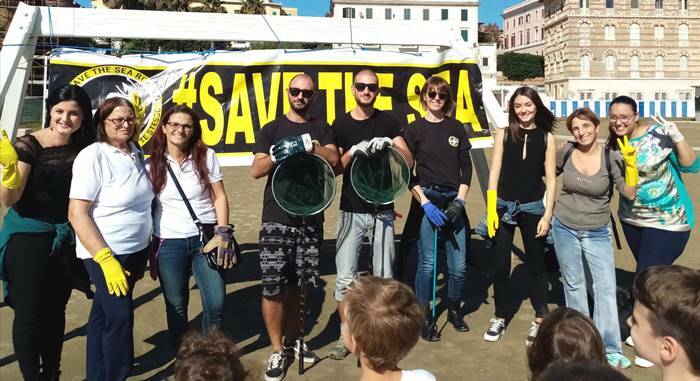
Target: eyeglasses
[372, 87]
[176, 126]
[433, 94]
[120, 121]
[621, 118]
[294, 91]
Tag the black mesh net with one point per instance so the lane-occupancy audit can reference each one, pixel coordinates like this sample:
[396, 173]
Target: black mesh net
[381, 178]
[303, 185]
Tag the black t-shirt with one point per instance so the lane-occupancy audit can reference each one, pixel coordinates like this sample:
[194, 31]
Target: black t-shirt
[441, 151]
[521, 180]
[45, 196]
[272, 133]
[349, 132]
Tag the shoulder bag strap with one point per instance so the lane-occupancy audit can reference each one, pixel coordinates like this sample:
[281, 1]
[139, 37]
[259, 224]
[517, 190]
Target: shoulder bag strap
[608, 166]
[195, 219]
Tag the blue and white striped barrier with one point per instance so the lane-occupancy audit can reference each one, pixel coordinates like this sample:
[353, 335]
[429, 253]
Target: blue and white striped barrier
[667, 109]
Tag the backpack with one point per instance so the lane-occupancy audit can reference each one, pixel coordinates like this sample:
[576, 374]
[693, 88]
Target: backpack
[608, 166]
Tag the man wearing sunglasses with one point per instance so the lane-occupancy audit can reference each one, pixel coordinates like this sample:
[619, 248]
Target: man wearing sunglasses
[363, 131]
[294, 133]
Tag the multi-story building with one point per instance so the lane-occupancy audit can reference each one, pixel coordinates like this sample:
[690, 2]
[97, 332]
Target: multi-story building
[464, 13]
[523, 28]
[599, 49]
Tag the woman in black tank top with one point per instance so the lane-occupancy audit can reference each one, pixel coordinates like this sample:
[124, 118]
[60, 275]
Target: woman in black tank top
[523, 154]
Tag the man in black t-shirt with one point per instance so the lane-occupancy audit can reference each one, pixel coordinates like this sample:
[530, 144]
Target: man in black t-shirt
[363, 131]
[286, 246]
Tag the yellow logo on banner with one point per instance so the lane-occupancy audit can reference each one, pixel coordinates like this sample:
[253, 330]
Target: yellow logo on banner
[142, 93]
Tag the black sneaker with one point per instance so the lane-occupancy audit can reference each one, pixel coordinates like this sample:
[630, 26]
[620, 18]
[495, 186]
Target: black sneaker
[277, 366]
[309, 356]
[496, 330]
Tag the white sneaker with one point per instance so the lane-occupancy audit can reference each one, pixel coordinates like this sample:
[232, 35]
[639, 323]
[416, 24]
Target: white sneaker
[642, 363]
[496, 330]
[532, 334]
[629, 341]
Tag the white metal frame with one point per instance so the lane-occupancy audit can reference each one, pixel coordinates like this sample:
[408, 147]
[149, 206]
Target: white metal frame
[31, 22]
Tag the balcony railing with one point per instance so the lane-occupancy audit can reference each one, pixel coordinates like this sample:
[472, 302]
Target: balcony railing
[634, 11]
[609, 11]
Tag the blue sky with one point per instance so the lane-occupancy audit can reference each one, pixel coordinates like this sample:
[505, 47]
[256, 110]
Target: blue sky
[489, 10]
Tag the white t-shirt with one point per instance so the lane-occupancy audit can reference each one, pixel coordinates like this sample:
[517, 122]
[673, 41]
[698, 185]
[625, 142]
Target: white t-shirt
[171, 219]
[118, 186]
[417, 375]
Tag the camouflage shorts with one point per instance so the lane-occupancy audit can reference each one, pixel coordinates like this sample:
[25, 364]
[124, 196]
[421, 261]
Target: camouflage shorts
[288, 255]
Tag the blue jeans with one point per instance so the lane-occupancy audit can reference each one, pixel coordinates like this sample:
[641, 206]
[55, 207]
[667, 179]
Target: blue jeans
[593, 246]
[110, 329]
[177, 259]
[352, 229]
[654, 247]
[456, 250]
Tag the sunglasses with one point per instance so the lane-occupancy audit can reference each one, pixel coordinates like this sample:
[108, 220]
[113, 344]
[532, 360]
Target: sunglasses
[294, 91]
[433, 94]
[372, 87]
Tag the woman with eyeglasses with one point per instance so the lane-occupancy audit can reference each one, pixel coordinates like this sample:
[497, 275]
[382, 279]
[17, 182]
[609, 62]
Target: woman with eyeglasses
[658, 221]
[178, 147]
[523, 154]
[443, 172]
[110, 210]
[37, 253]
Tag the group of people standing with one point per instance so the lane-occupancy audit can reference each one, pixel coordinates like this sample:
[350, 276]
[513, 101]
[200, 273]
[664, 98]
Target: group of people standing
[83, 186]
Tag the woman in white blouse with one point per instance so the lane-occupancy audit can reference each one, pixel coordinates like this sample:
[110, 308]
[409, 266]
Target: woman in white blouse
[178, 144]
[110, 211]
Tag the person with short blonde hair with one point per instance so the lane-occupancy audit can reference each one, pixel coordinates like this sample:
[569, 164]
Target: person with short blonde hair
[383, 322]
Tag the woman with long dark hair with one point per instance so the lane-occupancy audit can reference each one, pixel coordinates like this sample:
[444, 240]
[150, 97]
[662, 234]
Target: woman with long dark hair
[178, 144]
[524, 153]
[443, 172]
[658, 221]
[110, 210]
[36, 240]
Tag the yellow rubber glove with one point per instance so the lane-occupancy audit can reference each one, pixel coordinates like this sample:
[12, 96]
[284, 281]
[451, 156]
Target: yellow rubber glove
[8, 160]
[115, 275]
[491, 212]
[629, 155]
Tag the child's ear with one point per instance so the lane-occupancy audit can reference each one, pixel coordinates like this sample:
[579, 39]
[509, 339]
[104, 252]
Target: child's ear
[352, 344]
[670, 350]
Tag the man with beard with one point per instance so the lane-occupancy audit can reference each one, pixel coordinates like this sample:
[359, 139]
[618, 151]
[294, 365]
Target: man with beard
[363, 131]
[283, 255]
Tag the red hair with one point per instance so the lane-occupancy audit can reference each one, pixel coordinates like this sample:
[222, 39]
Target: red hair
[196, 148]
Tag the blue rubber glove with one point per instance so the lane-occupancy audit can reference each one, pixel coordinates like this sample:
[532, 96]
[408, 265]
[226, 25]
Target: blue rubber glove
[290, 146]
[435, 216]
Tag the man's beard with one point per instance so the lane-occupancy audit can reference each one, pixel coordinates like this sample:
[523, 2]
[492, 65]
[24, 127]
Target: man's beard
[363, 103]
[303, 110]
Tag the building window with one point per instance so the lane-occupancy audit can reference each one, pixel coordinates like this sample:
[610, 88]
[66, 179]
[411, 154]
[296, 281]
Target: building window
[610, 62]
[634, 34]
[512, 41]
[660, 96]
[659, 66]
[527, 18]
[387, 13]
[407, 13]
[634, 66]
[684, 64]
[609, 4]
[444, 14]
[683, 35]
[348, 13]
[426, 14]
[659, 4]
[585, 66]
[610, 96]
[610, 33]
[658, 32]
[465, 35]
[634, 4]
[527, 37]
[485, 62]
[520, 38]
[465, 15]
[583, 4]
[684, 96]
[585, 95]
[683, 5]
[585, 33]
[520, 20]
[368, 13]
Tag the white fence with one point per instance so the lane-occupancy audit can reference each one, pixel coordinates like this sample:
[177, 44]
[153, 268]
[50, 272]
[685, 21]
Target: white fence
[667, 109]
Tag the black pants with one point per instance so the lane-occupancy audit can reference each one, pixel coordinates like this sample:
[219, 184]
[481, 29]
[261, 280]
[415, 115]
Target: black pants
[39, 288]
[534, 259]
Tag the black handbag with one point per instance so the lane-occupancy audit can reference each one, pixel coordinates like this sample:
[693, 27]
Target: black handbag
[206, 231]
